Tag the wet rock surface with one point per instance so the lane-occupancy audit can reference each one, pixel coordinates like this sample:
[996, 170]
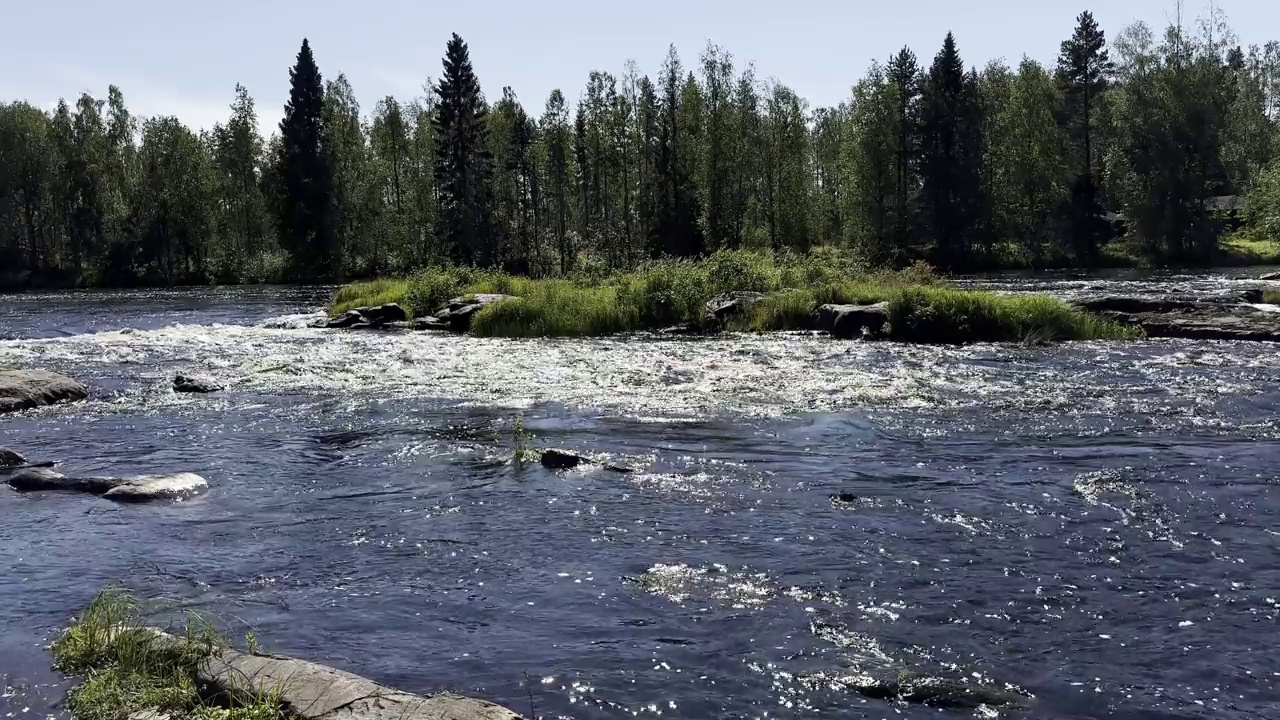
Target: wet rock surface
[25, 389]
[460, 311]
[370, 317]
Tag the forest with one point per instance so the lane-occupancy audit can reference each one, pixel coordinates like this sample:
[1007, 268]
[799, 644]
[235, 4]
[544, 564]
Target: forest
[1159, 148]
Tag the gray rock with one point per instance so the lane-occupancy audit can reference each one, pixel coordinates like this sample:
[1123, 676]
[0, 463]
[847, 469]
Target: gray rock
[850, 322]
[722, 308]
[9, 458]
[151, 714]
[1139, 304]
[146, 488]
[190, 384]
[460, 311]
[428, 323]
[1270, 276]
[345, 320]
[23, 389]
[310, 691]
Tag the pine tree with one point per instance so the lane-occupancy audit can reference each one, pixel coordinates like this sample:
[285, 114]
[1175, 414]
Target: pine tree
[555, 131]
[675, 229]
[904, 81]
[951, 152]
[306, 231]
[1084, 67]
[463, 161]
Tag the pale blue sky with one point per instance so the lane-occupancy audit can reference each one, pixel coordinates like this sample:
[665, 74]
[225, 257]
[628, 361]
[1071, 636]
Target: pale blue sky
[184, 58]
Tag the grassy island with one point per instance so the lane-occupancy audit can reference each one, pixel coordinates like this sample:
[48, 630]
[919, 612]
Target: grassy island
[921, 306]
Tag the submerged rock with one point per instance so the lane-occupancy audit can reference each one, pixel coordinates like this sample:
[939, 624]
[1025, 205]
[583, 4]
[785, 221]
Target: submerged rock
[460, 311]
[140, 488]
[849, 322]
[9, 458]
[191, 384]
[721, 308]
[24, 389]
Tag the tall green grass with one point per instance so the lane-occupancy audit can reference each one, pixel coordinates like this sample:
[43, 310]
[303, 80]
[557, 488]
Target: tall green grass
[126, 667]
[671, 292]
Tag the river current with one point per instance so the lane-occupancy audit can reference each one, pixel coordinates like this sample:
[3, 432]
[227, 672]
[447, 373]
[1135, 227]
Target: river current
[1089, 528]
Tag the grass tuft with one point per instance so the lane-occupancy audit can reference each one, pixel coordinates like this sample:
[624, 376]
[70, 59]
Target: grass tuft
[126, 667]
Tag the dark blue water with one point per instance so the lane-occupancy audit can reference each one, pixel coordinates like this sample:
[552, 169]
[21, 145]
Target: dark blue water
[1091, 525]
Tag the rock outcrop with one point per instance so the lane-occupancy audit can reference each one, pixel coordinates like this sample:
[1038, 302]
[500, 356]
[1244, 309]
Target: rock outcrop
[850, 322]
[191, 384]
[1241, 322]
[139, 488]
[25, 389]
[9, 458]
[370, 317]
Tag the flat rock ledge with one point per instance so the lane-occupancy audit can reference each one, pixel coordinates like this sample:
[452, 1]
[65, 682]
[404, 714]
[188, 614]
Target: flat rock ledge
[26, 389]
[311, 691]
[134, 489]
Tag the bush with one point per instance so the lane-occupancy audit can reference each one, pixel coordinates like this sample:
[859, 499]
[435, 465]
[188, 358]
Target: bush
[431, 289]
[741, 270]
[786, 310]
[667, 293]
[369, 294]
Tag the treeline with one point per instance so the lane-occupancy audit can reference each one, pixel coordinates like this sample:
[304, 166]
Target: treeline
[1147, 140]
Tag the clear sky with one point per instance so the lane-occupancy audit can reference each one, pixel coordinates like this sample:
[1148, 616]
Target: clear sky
[184, 58]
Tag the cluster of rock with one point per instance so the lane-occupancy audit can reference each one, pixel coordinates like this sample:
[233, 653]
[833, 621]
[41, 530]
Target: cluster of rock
[847, 322]
[456, 316]
[134, 489]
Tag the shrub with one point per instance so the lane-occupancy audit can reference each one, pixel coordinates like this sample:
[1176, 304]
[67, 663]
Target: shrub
[555, 308]
[741, 270]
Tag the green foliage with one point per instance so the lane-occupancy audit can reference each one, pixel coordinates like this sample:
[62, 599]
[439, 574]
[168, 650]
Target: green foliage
[126, 667]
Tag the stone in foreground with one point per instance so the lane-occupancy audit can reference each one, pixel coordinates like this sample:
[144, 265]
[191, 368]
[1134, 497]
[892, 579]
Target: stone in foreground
[310, 691]
[562, 460]
[9, 458]
[25, 389]
[191, 384]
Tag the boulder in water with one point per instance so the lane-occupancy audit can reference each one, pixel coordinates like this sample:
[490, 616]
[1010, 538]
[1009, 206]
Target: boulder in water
[24, 389]
[562, 460]
[722, 308]
[849, 322]
[145, 488]
[346, 319]
[1270, 276]
[9, 458]
[192, 384]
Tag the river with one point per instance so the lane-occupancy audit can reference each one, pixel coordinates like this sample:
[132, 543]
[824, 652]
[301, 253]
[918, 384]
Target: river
[1092, 527]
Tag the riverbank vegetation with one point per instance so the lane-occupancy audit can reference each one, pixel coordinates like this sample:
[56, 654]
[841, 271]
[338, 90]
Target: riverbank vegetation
[125, 667]
[921, 308]
[1135, 151]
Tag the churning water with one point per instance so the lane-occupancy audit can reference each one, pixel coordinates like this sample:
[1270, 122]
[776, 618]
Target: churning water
[1076, 531]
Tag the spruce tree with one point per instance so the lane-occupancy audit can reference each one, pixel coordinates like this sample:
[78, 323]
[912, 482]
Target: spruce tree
[463, 160]
[951, 155]
[1083, 69]
[903, 75]
[306, 232]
